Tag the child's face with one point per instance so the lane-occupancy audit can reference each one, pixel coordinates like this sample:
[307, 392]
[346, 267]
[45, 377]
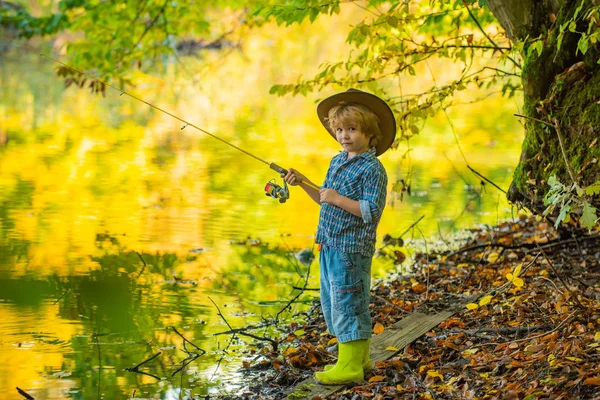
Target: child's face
[352, 139]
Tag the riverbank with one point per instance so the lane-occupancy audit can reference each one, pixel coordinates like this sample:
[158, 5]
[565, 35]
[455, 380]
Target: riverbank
[532, 332]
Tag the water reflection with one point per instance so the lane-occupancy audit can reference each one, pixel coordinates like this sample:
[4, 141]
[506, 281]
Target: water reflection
[126, 310]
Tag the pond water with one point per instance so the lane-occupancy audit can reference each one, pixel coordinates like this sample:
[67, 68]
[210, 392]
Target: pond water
[116, 225]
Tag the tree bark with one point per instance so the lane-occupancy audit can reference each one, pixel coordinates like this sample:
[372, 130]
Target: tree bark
[561, 88]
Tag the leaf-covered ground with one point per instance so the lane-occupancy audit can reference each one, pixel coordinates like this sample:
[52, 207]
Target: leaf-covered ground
[532, 333]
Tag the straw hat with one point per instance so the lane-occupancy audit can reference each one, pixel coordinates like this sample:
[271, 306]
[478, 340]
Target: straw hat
[387, 122]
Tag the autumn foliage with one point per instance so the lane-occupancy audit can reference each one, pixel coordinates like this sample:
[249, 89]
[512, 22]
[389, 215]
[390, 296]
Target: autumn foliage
[533, 333]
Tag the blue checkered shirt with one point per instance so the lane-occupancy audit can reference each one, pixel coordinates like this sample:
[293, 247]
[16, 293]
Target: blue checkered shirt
[361, 178]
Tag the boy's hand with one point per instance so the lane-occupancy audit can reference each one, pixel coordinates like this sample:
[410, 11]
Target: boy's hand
[293, 177]
[329, 196]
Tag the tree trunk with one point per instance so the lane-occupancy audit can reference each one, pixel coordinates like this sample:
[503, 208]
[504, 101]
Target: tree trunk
[561, 88]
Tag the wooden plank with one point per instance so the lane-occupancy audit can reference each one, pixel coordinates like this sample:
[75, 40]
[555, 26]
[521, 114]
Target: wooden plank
[399, 335]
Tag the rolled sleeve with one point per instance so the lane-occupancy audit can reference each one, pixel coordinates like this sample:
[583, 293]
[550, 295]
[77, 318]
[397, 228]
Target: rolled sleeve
[365, 210]
[374, 195]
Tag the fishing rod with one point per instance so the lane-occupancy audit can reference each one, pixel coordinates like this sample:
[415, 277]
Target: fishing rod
[272, 189]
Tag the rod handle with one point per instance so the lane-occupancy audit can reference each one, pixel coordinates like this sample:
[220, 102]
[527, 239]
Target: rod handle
[284, 171]
[277, 168]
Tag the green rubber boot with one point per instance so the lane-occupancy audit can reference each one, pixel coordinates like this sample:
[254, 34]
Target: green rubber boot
[367, 365]
[349, 367]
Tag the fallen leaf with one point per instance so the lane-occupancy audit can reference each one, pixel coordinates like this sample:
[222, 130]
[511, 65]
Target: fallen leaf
[595, 381]
[332, 342]
[435, 374]
[493, 257]
[418, 288]
[472, 306]
[378, 328]
[392, 348]
[534, 348]
[485, 300]
[377, 378]
[575, 359]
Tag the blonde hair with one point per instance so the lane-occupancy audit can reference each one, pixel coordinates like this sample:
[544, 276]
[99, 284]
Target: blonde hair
[358, 115]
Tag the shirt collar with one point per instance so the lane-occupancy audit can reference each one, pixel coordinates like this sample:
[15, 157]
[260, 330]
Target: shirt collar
[367, 154]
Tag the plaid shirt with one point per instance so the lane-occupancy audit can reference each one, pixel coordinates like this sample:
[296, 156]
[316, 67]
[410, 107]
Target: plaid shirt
[361, 178]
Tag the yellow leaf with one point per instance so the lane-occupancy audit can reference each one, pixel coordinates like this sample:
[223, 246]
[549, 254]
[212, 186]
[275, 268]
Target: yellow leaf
[485, 300]
[472, 306]
[378, 328]
[290, 350]
[433, 373]
[484, 375]
[462, 265]
[509, 276]
[518, 282]
[575, 359]
[469, 352]
[392, 348]
[400, 388]
[597, 337]
[332, 341]
[299, 332]
[493, 257]
[377, 378]
[518, 270]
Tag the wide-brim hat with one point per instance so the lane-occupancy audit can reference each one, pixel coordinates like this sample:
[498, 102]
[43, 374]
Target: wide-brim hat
[387, 122]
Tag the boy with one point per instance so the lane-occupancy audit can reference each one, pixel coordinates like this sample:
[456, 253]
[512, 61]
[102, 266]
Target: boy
[352, 199]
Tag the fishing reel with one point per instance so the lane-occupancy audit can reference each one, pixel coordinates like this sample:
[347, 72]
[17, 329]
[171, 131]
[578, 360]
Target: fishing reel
[277, 192]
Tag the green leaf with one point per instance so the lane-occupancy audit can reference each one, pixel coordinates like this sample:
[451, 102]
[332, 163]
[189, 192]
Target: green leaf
[588, 217]
[593, 189]
[583, 44]
[562, 216]
[539, 47]
[572, 26]
[392, 21]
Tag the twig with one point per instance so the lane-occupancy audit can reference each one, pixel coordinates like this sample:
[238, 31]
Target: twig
[556, 125]
[554, 243]
[143, 268]
[274, 343]
[187, 341]
[63, 295]
[516, 329]
[486, 35]
[431, 392]
[561, 141]
[299, 288]
[137, 371]
[533, 337]
[25, 394]
[228, 344]
[561, 279]
[486, 179]
[533, 119]
[427, 256]
[190, 356]
[410, 227]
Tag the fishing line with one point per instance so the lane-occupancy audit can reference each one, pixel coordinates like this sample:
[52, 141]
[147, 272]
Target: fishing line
[273, 166]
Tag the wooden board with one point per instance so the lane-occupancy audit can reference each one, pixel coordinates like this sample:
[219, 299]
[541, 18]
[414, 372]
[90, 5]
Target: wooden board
[402, 333]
